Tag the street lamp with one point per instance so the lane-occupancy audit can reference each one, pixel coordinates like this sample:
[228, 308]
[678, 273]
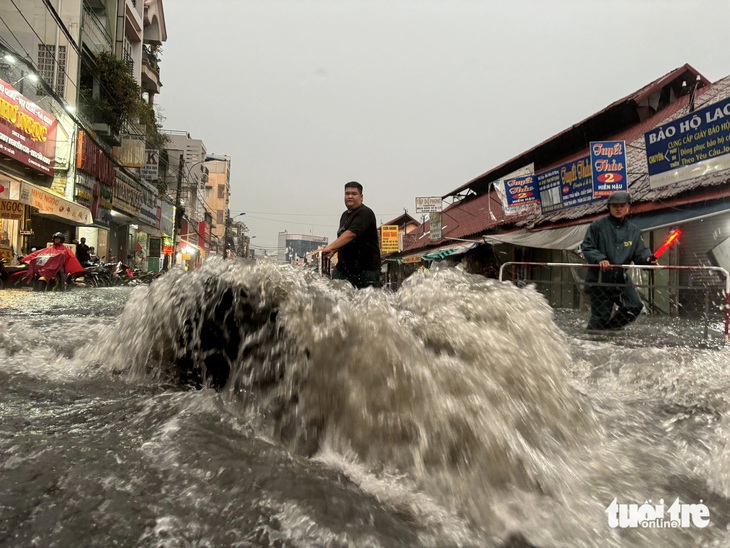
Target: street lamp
[229, 220]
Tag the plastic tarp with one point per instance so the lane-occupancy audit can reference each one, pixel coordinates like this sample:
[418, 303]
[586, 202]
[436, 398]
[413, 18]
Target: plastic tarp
[452, 249]
[569, 238]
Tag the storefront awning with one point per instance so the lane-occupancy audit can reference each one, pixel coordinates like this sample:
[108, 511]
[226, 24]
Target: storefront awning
[52, 205]
[447, 250]
[682, 214]
[568, 238]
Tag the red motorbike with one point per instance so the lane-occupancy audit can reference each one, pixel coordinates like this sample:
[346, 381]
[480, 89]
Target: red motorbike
[12, 276]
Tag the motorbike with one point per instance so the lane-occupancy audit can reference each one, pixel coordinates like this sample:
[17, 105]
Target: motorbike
[122, 274]
[47, 273]
[12, 276]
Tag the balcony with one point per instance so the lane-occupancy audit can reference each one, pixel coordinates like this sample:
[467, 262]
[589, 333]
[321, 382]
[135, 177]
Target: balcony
[150, 71]
[93, 32]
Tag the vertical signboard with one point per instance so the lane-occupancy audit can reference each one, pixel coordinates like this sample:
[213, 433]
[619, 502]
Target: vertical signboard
[127, 196]
[689, 147]
[608, 164]
[149, 171]
[436, 232]
[389, 239]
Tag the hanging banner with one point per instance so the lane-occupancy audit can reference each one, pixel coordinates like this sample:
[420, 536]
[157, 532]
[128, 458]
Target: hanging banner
[127, 196]
[608, 163]
[27, 132]
[91, 159]
[436, 231]
[568, 185]
[50, 204]
[501, 189]
[389, 239]
[689, 147]
[149, 205]
[167, 217]
[204, 232]
[520, 191]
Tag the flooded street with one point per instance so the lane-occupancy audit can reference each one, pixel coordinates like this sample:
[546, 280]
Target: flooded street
[456, 411]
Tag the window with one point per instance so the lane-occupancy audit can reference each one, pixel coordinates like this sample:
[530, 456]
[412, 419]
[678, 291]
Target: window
[208, 191]
[50, 63]
[219, 217]
[127, 54]
[221, 191]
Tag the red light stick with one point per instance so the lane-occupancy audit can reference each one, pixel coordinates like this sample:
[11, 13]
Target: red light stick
[669, 241]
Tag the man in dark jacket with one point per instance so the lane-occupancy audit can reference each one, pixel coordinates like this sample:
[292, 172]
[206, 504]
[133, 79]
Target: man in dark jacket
[613, 240]
[357, 242]
[82, 251]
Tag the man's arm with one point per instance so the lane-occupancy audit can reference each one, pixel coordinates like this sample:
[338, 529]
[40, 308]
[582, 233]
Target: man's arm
[342, 240]
[642, 254]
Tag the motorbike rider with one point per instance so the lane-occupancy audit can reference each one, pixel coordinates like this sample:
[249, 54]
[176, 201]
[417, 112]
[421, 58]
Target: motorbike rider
[59, 261]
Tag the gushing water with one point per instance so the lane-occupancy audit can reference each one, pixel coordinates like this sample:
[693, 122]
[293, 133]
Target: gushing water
[454, 411]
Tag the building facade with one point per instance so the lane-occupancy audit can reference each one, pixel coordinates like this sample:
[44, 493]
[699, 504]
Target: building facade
[217, 193]
[293, 248]
[85, 177]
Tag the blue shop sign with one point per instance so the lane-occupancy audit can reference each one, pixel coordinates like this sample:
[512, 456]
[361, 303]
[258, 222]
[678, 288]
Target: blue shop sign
[565, 186]
[521, 191]
[608, 164]
[689, 147]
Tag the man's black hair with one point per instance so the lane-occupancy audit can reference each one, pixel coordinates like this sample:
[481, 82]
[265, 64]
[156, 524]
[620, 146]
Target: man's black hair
[354, 184]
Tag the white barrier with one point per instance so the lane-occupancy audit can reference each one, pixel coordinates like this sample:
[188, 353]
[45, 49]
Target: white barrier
[520, 272]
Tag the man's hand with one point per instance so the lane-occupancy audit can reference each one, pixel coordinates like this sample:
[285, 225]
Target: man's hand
[652, 260]
[328, 253]
[605, 265]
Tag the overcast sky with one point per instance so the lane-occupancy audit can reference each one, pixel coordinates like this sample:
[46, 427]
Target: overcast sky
[410, 98]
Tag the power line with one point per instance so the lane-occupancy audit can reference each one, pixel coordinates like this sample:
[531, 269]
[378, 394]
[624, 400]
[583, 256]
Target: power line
[293, 214]
[289, 222]
[27, 55]
[62, 26]
[66, 33]
[335, 215]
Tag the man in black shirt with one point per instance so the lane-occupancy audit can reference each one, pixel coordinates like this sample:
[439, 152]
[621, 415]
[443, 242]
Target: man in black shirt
[82, 251]
[356, 243]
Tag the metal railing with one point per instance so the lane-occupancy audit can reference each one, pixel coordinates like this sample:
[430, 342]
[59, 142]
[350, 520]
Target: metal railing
[99, 38]
[688, 291]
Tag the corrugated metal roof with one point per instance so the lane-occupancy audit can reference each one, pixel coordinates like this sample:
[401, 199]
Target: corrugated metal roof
[639, 186]
[623, 112]
[469, 217]
[475, 215]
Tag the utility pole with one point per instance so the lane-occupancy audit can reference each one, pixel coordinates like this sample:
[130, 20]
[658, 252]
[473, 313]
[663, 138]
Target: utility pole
[178, 213]
[225, 234]
[229, 222]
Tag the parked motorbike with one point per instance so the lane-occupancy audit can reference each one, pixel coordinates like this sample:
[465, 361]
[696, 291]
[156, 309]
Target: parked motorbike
[12, 276]
[122, 274]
